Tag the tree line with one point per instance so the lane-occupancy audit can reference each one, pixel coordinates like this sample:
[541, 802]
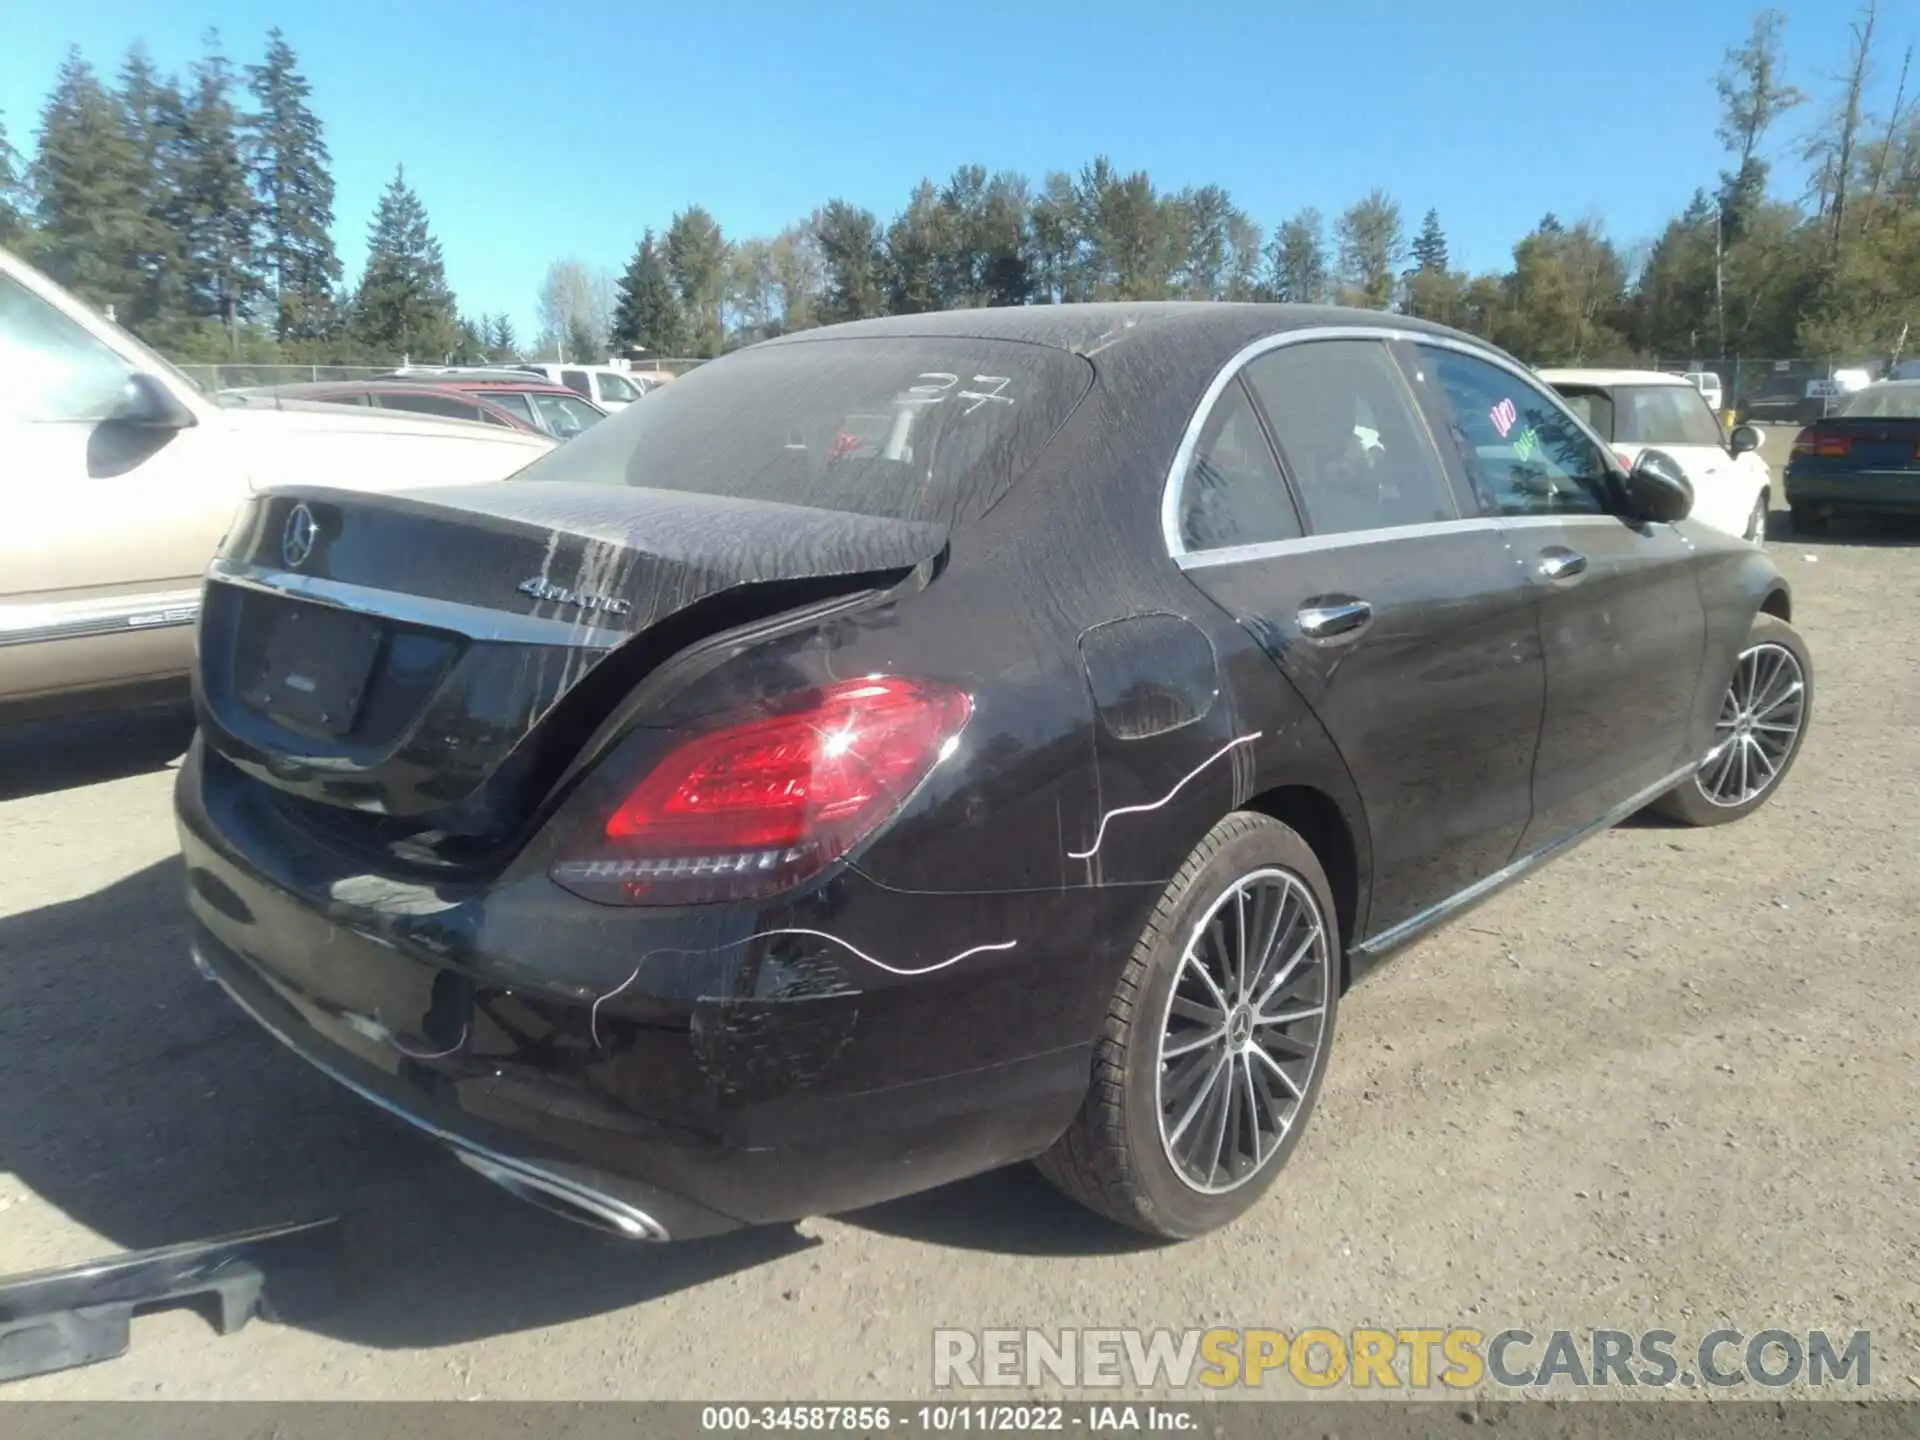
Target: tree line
[202, 212]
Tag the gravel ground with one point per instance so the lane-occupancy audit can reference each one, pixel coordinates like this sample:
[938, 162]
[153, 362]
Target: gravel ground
[1668, 1083]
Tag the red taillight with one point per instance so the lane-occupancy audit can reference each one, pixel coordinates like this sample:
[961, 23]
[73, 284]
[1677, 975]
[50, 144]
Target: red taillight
[1831, 447]
[760, 805]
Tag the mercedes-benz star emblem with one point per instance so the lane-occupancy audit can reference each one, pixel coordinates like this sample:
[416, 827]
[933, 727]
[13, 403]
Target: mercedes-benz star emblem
[296, 541]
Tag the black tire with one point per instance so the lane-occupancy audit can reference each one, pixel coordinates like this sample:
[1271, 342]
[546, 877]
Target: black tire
[1808, 521]
[1690, 802]
[1757, 520]
[1112, 1159]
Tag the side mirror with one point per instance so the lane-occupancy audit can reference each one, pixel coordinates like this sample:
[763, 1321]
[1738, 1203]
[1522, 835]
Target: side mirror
[1745, 438]
[149, 405]
[1658, 489]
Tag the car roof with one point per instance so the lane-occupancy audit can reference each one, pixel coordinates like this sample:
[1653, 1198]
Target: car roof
[470, 384]
[406, 385]
[1087, 329]
[1617, 377]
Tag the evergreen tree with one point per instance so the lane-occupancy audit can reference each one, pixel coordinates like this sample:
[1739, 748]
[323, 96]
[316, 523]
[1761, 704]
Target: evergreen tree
[1430, 246]
[89, 210]
[646, 313]
[287, 155]
[1370, 248]
[503, 347]
[13, 208]
[403, 306]
[155, 119]
[215, 212]
[583, 346]
[470, 343]
[920, 243]
[1298, 260]
[848, 239]
[696, 253]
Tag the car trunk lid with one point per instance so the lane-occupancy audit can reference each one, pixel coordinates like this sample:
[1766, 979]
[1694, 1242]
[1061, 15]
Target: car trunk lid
[1864, 442]
[396, 662]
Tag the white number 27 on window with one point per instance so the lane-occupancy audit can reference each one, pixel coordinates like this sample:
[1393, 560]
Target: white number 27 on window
[935, 385]
[981, 397]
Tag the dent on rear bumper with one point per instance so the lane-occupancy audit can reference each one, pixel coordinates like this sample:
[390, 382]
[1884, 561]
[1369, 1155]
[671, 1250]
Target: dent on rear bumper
[746, 1068]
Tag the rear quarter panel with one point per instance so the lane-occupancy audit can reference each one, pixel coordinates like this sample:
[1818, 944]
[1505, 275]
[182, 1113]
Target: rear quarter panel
[1071, 794]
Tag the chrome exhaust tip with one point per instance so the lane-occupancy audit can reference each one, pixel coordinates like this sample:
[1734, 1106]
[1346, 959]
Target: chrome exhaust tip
[565, 1199]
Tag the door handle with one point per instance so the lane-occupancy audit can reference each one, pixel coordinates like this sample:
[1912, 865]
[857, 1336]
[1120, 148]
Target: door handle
[1333, 618]
[1562, 564]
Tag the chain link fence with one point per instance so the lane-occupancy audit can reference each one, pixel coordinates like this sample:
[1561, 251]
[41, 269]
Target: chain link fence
[239, 376]
[1792, 391]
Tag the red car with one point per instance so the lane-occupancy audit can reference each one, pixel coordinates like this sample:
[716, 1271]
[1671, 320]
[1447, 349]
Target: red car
[491, 398]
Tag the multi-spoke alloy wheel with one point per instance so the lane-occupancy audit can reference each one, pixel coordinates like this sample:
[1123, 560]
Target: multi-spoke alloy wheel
[1759, 725]
[1758, 733]
[1243, 1023]
[1216, 1037]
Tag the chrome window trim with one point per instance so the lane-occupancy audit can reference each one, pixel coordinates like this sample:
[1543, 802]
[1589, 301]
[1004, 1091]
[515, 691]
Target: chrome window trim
[476, 622]
[31, 624]
[1382, 535]
[1172, 492]
[1334, 540]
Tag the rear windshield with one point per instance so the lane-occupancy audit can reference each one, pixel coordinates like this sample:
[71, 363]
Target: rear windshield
[1663, 415]
[1883, 402]
[906, 428]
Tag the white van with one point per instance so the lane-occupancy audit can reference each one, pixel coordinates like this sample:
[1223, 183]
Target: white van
[608, 386]
[1708, 384]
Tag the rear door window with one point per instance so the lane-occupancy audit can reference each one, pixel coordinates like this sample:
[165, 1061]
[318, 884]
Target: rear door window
[1351, 435]
[1234, 492]
[577, 381]
[1522, 453]
[446, 405]
[513, 401]
[907, 427]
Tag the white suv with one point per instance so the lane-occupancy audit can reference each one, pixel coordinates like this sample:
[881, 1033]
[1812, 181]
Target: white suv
[1637, 409]
[120, 476]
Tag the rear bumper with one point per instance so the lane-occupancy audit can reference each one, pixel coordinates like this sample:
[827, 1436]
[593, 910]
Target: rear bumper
[516, 1028]
[1877, 491]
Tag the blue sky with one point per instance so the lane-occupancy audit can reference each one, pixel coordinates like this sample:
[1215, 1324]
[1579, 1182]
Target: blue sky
[535, 131]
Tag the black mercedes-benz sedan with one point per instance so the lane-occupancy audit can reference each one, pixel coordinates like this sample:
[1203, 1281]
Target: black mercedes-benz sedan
[920, 745]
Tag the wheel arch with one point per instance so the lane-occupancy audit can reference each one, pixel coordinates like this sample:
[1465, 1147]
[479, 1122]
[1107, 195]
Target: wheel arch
[1319, 820]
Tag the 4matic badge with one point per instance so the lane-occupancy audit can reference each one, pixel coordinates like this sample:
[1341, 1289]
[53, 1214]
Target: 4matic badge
[540, 589]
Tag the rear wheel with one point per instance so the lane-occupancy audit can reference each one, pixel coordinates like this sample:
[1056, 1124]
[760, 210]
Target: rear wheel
[1757, 735]
[1808, 521]
[1216, 1039]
